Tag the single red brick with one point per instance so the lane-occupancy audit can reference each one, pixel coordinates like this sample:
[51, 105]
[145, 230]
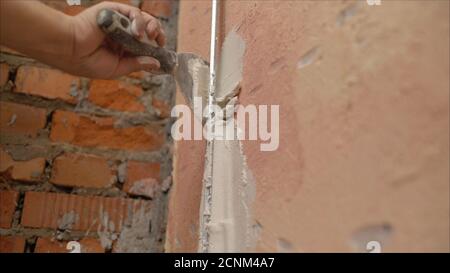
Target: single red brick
[4, 73]
[76, 170]
[73, 10]
[18, 119]
[12, 244]
[50, 245]
[162, 107]
[116, 95]
[74, 212]
[159, 8]
[47, 83]
[86, 131]
[140, 170]
[139, 75]
[56, 4]
[8, 203]
[126, 2]
[64, 7]
[30, 170]
[142, 178]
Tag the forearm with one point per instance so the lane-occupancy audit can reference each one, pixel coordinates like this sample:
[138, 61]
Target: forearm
[75, 44]
[36, 30]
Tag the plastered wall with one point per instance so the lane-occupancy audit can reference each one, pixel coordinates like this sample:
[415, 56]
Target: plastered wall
[364, 124]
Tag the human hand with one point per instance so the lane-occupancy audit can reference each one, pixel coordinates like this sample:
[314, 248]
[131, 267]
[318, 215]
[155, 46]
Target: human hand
[96, 57]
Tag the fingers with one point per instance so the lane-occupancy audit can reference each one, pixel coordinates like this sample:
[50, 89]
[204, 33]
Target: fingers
[153, 29]
[126, 10]
[105, 64]
[155, 32]
[142, 22]
[138, 24]
[145, 23]
[147, 63]
[126, 65]
[161, 38]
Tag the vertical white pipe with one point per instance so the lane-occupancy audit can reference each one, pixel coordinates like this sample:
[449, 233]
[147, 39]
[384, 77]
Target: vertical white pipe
[207, 183]
[212, 60]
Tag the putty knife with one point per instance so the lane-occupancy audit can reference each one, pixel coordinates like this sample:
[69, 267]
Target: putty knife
[190, 71]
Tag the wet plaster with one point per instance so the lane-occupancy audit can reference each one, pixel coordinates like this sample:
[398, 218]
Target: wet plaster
[226, 209]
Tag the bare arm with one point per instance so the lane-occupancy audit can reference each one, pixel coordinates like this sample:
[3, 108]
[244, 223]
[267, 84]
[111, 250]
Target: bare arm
[35, 29]
[74, 44]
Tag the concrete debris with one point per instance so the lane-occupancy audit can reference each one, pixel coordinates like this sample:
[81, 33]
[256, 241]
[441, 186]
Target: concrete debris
[145, 187]
[166, 184]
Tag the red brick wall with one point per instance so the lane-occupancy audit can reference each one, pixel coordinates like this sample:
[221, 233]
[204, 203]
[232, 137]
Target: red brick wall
[84, 160]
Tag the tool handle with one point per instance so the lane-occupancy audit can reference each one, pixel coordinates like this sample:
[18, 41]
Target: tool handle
[118, 28]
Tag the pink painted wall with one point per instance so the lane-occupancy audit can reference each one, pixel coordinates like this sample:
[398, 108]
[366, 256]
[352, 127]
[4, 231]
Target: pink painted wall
[364, 124]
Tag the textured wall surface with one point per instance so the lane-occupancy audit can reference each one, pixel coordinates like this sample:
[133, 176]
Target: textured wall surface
[364, 124]
[85, 160]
